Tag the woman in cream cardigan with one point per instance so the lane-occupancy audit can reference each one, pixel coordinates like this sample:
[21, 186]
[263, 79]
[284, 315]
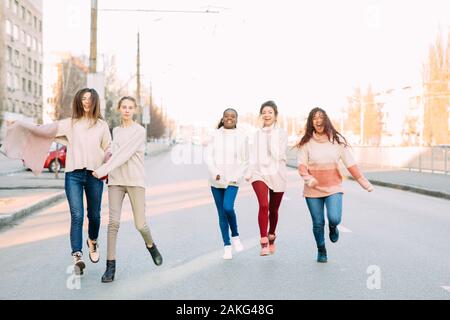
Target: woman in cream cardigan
[88, 139]
[267, 173]
[227, 160]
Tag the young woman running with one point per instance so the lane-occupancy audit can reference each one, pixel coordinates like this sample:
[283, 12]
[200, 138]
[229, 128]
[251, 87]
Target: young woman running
[267, 173]
[227, 159]
[88, 140]
[126, 175]
[320, 150]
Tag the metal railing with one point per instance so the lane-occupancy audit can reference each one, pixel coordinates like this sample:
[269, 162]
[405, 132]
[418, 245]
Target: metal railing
[423, 159]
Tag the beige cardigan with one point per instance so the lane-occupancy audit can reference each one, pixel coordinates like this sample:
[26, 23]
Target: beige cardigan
[268, 158]
[126, 165]
[86, 145]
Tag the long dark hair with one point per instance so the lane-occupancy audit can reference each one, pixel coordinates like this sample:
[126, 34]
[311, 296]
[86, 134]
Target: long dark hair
[77, 105]
[332, 134]
[220, 125]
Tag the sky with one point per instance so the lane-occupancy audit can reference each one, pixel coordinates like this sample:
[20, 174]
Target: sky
[301, 54]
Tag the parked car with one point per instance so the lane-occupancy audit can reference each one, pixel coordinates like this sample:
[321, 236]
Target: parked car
[56, 151]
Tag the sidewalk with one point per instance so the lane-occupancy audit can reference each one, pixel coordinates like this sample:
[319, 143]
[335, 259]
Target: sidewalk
[23, 193]
[432, 184]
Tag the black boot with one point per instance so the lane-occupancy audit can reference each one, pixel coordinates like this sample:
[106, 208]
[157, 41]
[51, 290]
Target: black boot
[157, 258]
[108, 276]
[322, 254]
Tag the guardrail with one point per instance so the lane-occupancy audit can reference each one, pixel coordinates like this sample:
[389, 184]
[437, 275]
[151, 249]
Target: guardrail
[427, 159]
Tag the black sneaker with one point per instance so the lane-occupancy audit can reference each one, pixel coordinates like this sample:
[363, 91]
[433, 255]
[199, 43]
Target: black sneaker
[334, 233]
[157, 258]
[78, 262]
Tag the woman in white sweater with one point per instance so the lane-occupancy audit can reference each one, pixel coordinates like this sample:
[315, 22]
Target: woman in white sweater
[227, 160]
[267, 173]
[126, 175]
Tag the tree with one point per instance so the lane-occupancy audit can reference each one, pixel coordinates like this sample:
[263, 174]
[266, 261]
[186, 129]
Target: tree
[372, 119]
[72, 76]
[436, 80]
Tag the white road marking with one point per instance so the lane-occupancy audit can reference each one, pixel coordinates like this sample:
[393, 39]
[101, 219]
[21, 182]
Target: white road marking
[344, 229]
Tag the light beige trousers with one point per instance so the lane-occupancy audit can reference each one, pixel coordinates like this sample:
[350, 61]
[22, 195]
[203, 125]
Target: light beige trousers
[116, 195]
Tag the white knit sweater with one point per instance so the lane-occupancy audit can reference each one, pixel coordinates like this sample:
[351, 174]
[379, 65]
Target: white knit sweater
[227, 156]
[268, 158]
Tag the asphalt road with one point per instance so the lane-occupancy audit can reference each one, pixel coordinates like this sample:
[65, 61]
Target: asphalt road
[394, 245]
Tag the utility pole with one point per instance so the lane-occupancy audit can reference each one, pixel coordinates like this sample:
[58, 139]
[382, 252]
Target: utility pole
[138, 80]
[93, 48]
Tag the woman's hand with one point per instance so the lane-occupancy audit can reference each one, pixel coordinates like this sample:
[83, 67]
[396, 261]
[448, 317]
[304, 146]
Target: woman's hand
[108, 156]
[95, 174]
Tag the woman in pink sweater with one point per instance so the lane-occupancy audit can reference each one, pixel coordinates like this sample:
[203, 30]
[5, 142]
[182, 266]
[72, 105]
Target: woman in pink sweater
[320, 151]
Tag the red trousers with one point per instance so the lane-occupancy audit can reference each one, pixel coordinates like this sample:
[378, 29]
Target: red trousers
[269, 202]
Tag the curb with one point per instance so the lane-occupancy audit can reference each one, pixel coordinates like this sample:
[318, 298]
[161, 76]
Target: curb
[8, 219]
[404, 187]
[5, 173]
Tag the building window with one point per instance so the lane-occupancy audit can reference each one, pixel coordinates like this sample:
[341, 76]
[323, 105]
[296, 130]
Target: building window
[24, 84]
[29, 86]
[35, 23]
[28, 41]
[16, 7]
[34, 44]
[35, 89]
[23, 38]
[8, 53]
[40, 91]
[16, 58]
[35, 67]
[16, 32]
[16, 82]
[9, 80]
[39, 47]
[29, 15]
[23, 13]
[29, 64]
[40, 26]
[8, 27]
[40, 68]
[8, 3]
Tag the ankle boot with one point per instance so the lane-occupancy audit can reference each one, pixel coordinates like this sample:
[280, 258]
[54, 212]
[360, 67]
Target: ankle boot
[322, 254]
[157, 258]
[108, 276]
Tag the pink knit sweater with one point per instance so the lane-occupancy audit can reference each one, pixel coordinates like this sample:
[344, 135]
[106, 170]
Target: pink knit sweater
[318, 165]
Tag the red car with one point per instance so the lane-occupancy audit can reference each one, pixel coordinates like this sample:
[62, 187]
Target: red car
[56, 151]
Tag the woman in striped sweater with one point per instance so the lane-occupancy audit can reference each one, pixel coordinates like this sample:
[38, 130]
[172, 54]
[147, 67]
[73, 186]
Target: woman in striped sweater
[320, 150]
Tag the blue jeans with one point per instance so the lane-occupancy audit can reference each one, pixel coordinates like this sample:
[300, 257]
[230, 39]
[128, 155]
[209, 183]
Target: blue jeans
[75, 182]
[224, 199]
[334, 213]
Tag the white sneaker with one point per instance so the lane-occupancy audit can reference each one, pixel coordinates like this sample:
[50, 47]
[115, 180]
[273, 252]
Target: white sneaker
[78, 263]
[237, 244]
[227, 253]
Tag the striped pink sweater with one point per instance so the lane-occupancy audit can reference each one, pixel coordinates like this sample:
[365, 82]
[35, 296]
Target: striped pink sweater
[318, 165]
